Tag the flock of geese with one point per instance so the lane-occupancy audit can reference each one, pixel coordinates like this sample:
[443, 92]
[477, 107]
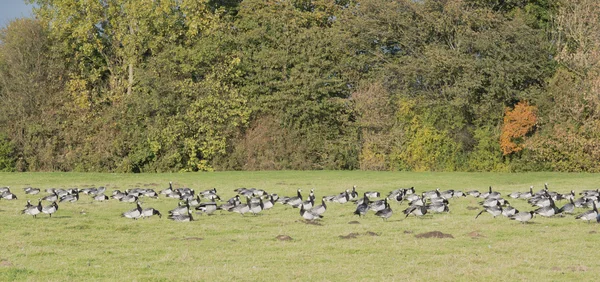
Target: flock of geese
[254, 201]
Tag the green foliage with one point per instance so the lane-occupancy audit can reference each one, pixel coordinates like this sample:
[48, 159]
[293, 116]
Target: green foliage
[135, 86]
[7, 154]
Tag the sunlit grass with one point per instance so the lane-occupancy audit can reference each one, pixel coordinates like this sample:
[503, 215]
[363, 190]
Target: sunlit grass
[90, 241]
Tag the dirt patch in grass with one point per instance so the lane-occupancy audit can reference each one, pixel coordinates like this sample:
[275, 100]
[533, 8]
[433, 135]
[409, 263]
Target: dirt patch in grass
[578, 268]
[354, 222]
[593, 232]
[475, 235]
[354, 235]
[312, 222]
[284, 238]
[472, 208]
[408, 232]
[434, 234]
[350, 236]
[188, 239]
[5, 263]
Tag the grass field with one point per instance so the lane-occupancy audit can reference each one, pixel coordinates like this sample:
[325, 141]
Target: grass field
[90, 241]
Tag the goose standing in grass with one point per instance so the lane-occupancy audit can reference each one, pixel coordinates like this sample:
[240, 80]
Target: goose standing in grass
[33, 210]
[549, 210]
[50, 209]
[180, 209]
[308, 215]
[295, 201]
[148, 212]
[267, 205]
[319, 209]
[523, 217]
[363, 207]
[493, 210]
[386, 212]
[134, 213]
[182, 217]
[509, 211]
[415, 210]
[378, 205]
[589, 215]
[242, 208]
[256, 208]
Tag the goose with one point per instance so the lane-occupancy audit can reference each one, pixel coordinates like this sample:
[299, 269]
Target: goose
[267, 205]
[474, 193]
[129, 198]
[448, 194]
[72, 198]
[493, 210]
[242, 208]
[362, 208]
[207, 207]
[195, 201]
[353, 195]
[373, 194]
[180, 209]
[4, 189]
[28, 204]
[7, 195]
[295, 201]
[515, 195]
[100, 197]
[589, 215]
[409, 191]
[308, 204]
[549, 210]
[432, 194]
[416, 210]
[31, 191]
[118, 195]
[98, 191]
[213, 197]
[182, 217]
[50, 209]
[378, 205]
[208, 192]
[134, 213]
[230, 204]
[509, 211]
[438, 207]
[342, 198]
[256, 208]
[568, 207]
[458, 194]
[150, 193]
[568, 196]
[261, 193]
[51, 198]
[412, 197]
[491, 194]
[394, 193]
[527, 195]
[308, 215]
[386, 212]
[168, 190]
[148, 212]
[33, 210]
[522, 216]
[319, 209]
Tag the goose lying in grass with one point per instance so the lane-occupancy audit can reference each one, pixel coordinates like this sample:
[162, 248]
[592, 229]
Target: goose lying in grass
[523, 217]
[182, 217]
[148, 212]
[589, 215]
[134, 213]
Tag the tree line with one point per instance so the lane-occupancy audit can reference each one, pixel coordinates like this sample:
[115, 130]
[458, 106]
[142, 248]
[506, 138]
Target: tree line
[416, 85]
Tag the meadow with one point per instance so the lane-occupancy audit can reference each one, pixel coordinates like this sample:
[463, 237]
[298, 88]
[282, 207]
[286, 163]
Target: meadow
[89, 240]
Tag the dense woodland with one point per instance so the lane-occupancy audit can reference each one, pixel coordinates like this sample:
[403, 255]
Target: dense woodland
[187, 85]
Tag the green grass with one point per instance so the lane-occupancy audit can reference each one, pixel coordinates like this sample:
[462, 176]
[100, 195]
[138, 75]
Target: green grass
[90, 241]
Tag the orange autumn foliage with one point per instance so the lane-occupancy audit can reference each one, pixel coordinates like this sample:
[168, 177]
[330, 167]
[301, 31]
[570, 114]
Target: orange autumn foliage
[518, 122]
